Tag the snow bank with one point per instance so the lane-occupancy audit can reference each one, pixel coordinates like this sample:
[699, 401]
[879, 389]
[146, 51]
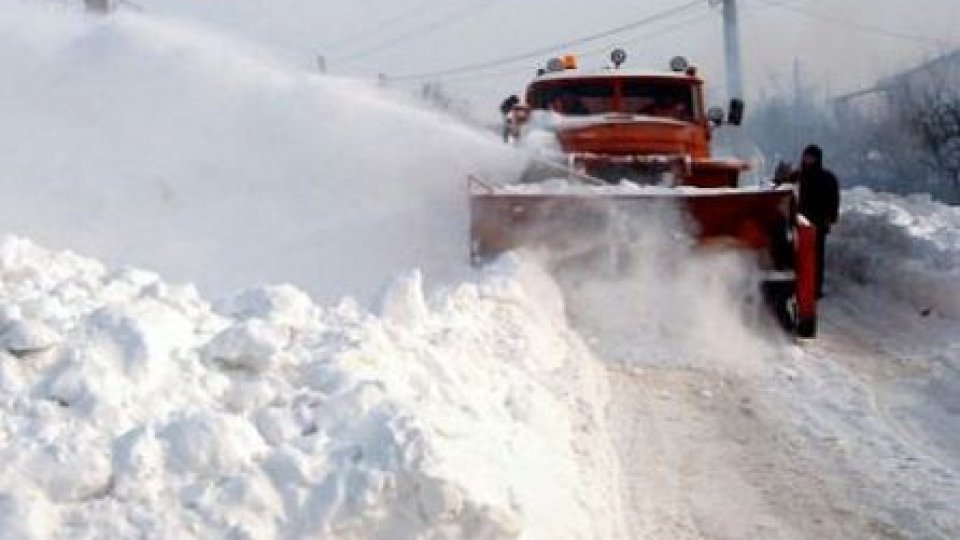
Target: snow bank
[133, 408]
[214, 162]
[905, 246]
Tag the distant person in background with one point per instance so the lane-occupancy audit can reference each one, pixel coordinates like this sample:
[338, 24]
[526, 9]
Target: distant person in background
[505, 109]
[819, 199]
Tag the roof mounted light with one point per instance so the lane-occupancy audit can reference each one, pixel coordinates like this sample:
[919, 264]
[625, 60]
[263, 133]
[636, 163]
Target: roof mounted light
[569, 61]
[679, 64]
[618, 57]
[554, 65]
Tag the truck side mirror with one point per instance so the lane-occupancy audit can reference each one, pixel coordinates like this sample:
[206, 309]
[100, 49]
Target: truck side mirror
[715, 116]
[736, 112]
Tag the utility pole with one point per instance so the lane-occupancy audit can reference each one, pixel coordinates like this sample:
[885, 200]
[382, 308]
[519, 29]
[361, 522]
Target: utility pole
[797, 102]
[99, 6]
[731, 49]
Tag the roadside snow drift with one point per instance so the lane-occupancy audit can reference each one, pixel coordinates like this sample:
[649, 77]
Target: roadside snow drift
[132, 408]
[908, 247]
[152, 142]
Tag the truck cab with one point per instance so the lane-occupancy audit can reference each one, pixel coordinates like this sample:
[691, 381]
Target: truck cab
[628, 124]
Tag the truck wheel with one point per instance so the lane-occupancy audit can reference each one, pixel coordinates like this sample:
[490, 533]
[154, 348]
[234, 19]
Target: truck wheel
[780, 300]
[807, 328]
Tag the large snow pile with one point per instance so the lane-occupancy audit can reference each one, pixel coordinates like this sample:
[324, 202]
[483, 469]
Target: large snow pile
[141, 140]
[905, 246]
[132, 408]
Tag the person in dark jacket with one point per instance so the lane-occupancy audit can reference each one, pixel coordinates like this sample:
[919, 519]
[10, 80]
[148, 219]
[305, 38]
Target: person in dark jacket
[819, 199]
[505, 109]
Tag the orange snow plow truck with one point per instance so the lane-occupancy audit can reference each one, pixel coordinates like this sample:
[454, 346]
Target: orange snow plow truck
[620, 143]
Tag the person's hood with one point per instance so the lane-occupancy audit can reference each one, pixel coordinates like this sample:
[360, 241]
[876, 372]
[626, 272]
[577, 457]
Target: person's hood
[816, 152]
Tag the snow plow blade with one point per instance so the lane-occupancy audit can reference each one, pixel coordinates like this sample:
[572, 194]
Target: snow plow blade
[501, 220]
[762, 221]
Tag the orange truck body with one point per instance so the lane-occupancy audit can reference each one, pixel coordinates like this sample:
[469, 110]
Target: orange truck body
[607, 128]
[625, 133]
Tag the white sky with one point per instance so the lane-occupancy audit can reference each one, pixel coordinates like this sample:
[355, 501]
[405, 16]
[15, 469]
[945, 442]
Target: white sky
[437, 34]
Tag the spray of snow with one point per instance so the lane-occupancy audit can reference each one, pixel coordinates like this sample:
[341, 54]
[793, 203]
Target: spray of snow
[644, 294]
[153, 142]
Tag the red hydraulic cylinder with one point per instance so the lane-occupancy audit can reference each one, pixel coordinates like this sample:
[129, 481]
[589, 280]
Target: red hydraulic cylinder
[806, 271]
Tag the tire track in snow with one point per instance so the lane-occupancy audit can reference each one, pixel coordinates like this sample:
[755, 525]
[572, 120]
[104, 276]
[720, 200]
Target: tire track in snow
[872, 352]
[701, 462]
[847, 343]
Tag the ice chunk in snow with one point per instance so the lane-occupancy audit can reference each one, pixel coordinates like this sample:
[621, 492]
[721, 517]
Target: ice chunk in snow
[253, 344]
[143, 334]
[21, 337]
[69, 468]
[246, 505]
[252, 391]
[276, 425]
[210, 444]
[282, 304]
[11, 378]
[138, 464]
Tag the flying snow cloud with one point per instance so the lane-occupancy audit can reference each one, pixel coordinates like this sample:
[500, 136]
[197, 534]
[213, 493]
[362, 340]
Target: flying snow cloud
[645, 295]
[149, 142]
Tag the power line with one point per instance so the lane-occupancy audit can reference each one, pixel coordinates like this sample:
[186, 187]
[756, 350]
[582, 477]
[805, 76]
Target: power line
[371, 28]
[419, 31]
[684, 23]
[869, 28]
[545, 50]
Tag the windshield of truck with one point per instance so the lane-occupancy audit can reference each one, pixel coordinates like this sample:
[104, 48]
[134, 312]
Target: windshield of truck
[574, 98]
[665, 99]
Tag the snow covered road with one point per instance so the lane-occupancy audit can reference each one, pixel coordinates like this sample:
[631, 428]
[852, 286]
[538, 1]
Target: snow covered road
[842, 439]
[851, 435]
